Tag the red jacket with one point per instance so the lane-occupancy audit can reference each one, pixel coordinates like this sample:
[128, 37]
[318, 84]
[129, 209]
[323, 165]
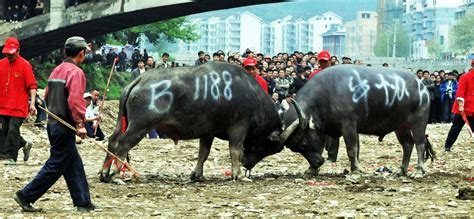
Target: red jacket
[16, 79]
[314, 73]
[262, 83]
[65, 93]
[465, 92]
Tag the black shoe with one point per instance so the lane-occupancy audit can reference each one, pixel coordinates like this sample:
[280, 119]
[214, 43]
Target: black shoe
[86, 208]
[26, 206]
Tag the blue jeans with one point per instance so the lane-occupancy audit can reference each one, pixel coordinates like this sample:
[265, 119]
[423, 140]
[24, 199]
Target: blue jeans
[90, 132]
[64, 160]
[447, 106]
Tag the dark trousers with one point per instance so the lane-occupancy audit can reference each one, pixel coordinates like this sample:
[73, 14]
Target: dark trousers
[64, 160]
[435, 110]
[122, 66]
[90, 132]
[41, 116]
[332, 147]
[13, 140]
[153, 134]
[447, 105]
[456, 128]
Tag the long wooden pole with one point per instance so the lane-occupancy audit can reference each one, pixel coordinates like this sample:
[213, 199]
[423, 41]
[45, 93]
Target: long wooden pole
[101, 107]
[57, 118]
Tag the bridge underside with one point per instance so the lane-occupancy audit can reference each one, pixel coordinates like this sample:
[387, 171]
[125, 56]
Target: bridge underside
[37, 44]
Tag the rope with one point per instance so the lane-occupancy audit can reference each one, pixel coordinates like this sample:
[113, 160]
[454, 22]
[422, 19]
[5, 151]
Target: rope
[125, 165]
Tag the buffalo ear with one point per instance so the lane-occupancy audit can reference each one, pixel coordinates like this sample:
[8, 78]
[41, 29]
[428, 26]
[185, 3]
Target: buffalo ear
[274, 136]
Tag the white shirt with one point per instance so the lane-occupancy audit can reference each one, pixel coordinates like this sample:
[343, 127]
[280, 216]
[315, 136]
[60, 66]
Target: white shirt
[92, 111]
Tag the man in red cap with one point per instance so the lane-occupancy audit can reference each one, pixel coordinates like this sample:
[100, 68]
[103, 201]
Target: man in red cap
[323, 60]
[463, 108]
[332, 144]
[250, 65]
[17, 82]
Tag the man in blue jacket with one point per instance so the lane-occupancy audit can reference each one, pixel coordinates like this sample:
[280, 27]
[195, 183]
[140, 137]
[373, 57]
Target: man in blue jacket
[448, 90]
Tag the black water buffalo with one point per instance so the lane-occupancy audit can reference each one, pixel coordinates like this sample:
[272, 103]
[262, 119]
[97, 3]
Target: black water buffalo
[211, 100]
[346, 100]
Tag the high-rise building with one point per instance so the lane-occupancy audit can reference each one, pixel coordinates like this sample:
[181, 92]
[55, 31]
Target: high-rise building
[233, 33]
[361, 34]
[236, 33]
[428, 23]
[467, 6]
[388, 11]
[318, 25]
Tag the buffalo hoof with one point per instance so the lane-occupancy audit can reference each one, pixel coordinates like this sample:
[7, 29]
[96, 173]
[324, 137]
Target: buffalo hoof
[311, 171]
[245, 179]
[418, 174]
[358, 172]
[197, 178]
[105, 179]
[118, 181]
[399, 173]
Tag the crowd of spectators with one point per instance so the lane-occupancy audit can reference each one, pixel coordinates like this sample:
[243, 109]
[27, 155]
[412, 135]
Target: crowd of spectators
[21, 10]
[285, 73]
[442, 87]
[130, 62]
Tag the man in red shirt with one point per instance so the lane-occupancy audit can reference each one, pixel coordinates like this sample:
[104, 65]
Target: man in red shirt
[64, 96]
[17, 82]
[323, 60]
[463, 106]
[250, 65]
[332, 144]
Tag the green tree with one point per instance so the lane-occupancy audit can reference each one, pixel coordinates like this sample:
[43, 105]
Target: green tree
[402, 47]
[170, 30]
[462, 33]
[434, 48]
[381, 45]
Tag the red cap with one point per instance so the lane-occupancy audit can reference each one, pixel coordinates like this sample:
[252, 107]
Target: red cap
[472, 62]
[324, 55]
[11, 46]
[250, 62]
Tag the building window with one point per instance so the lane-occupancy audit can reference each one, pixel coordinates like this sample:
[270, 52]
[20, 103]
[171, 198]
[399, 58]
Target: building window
[441, 40]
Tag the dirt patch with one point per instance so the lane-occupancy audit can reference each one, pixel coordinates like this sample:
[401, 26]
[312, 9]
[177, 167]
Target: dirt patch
[278, 187]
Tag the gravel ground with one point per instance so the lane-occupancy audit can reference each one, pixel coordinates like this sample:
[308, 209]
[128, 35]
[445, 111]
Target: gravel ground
[278, 187]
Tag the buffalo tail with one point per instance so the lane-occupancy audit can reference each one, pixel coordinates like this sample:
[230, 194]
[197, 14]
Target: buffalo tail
[429, 151]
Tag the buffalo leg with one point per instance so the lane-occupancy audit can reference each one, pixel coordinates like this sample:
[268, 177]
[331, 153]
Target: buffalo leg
[332, 147]
[405, 138]
[420, 141]
[351, 138]
[236, 143]
[125, 142]
[205, 144]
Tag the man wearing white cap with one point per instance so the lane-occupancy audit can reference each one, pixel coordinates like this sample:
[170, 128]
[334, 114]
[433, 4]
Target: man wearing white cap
[17, 82]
